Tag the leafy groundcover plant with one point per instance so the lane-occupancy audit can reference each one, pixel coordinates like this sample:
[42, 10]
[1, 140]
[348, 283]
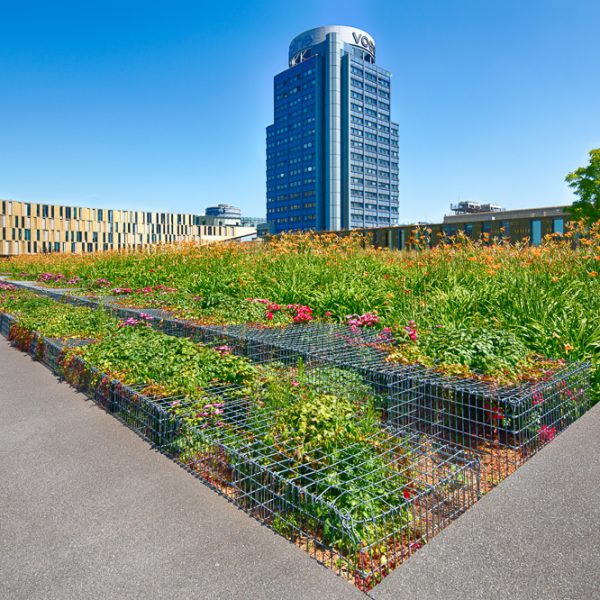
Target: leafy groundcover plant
[477, 353]
[46, 317]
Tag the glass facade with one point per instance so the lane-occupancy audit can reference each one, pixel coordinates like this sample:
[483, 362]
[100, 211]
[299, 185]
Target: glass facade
[332, 151]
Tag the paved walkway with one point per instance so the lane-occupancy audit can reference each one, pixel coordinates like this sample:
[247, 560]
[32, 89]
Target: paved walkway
[88, 510]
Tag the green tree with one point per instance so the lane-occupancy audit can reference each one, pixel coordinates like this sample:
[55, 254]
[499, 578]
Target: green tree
[585, 181]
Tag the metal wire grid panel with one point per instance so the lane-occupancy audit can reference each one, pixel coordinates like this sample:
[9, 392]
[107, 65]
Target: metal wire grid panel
[504, 425]
[6, 321]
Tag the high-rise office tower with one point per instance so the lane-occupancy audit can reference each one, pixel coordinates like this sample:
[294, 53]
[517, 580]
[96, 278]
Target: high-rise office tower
[332, 151]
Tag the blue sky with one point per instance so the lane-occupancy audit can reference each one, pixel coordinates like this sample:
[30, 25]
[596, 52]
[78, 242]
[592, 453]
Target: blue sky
[163, 105]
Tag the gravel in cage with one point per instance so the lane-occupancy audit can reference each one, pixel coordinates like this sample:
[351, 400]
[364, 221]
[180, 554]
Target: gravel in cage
[504, 424]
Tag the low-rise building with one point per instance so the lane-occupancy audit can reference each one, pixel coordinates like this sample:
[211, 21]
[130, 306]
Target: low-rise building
[31, 228]
[531, 224]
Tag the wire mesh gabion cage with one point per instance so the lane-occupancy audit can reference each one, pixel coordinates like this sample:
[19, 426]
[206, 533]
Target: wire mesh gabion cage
[360, 510]
[326, 348]
[6, 321]
[360, 506]
[505, 425]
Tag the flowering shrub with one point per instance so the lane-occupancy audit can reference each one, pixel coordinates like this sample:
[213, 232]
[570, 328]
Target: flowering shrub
[411, 331]
[302, 314]
[298, 313]
[547, 433]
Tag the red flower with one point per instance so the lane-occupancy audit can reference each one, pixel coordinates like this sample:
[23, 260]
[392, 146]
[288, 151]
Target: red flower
[407, 494]
[269, 315]
[547, 433]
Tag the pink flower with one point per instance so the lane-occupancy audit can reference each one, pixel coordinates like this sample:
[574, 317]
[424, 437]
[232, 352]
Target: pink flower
[224, 350]
[132, 322]
[294, 383]
[303, 313]
[537, 398]
[51, 277]
[547, 433]
[411, 330]
[368, 319]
